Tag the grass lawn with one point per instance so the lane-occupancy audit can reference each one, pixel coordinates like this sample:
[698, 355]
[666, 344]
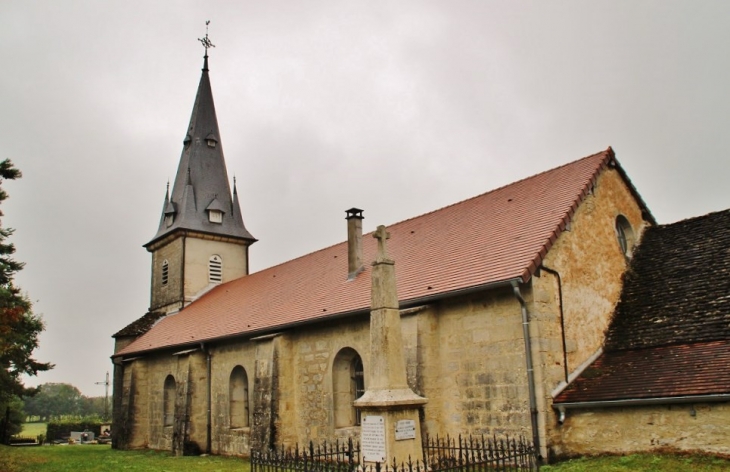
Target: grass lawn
[32, 430]
[102, 458]
[642, 462]
[92, 458]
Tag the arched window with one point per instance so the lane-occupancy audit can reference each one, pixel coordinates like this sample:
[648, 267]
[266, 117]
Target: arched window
[168, 401]
[238, 397]
[165, 272]
[625, 235]
[348, 384]
[215, 269]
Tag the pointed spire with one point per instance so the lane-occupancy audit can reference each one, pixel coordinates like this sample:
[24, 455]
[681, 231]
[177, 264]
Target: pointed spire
[201, 176]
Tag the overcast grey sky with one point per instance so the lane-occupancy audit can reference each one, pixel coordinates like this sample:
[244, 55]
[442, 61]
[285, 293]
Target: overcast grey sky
[396, 107]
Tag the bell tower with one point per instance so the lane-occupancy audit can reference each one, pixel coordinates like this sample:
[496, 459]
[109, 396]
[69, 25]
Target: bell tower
[201, 240]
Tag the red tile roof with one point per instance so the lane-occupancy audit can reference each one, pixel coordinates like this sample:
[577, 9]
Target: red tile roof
[489, 239]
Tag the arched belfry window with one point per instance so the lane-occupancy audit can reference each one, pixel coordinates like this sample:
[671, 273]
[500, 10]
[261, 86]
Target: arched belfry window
[215, 269]
[165, 272]
[168, 401]
[625, 235]
[348, 384]
[238, 398]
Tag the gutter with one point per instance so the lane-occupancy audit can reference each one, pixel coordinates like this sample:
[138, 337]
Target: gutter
[530, 369]
[712, 398]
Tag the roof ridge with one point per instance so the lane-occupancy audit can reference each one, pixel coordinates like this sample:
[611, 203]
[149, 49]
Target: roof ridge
[608, 152]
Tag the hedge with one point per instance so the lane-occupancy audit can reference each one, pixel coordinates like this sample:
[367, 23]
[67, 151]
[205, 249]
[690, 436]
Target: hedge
[62, 429]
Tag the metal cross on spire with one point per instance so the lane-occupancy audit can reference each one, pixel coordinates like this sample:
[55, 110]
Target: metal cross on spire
[206, 41]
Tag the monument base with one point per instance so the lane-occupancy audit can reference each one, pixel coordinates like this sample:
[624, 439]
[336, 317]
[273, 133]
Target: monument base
[391, 433]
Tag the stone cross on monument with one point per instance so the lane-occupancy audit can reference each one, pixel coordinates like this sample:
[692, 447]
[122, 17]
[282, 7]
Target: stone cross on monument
[390, 428]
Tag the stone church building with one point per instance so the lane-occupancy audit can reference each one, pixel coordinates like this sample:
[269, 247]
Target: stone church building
[505, 301]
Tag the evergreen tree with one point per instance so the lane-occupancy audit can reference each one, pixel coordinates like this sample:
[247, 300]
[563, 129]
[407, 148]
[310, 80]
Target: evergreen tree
[19, 326]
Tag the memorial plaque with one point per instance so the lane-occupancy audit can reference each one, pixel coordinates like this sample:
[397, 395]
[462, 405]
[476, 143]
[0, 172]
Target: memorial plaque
[405, 429]
[372, 439]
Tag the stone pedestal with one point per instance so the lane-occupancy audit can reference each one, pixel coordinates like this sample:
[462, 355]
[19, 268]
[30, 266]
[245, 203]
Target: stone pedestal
[391, 427]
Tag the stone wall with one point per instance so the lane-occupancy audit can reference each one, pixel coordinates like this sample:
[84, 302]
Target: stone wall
[591, 265]
[224, 358]
[472, 366]
[169, 296]
[197, 254]
[685, 427]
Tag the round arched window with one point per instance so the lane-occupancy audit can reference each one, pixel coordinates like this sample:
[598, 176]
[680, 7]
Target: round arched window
[625, 235]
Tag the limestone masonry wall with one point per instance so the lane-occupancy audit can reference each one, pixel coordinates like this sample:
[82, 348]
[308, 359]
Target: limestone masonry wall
[687, 427]
[590, 262]
[163, 296]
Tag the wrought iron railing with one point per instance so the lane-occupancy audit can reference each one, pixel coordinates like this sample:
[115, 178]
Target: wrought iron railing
[440, 454]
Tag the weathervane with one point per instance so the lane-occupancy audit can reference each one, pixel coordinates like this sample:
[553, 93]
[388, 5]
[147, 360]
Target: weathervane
[206, 41]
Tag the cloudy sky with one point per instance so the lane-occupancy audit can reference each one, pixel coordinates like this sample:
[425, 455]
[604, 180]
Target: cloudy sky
[398, 108]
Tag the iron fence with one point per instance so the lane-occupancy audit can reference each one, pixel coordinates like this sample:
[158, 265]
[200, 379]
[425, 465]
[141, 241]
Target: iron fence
[440, 454]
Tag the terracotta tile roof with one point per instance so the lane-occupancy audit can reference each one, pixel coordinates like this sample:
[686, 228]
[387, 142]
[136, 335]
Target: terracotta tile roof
[493, 238]
[670, 334]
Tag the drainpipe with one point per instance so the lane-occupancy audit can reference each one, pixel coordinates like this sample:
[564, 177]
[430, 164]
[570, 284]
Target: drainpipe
[562, 317]
[208, 427]
[530, 369]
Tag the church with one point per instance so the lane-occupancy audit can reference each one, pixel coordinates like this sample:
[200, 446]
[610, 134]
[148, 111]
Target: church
[521, 314]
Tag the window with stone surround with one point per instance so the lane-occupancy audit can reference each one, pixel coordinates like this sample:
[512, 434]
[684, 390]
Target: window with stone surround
[348, 384]
[168, 401]
[238, 398]
[625, 235]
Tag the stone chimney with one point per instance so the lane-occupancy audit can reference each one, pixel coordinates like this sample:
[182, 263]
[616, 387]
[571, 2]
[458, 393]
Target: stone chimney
[354, 242]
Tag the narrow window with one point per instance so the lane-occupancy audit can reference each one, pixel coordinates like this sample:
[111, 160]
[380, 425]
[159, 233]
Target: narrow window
[625, 235]
[348, 384]
[238, 398]
[165, 272]
[168, 401]
[169, 219]
[215, 269]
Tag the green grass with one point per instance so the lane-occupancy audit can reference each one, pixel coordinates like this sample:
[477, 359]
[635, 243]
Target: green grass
[98, 458]
[32, 430]
[642, 462]
[93, 458]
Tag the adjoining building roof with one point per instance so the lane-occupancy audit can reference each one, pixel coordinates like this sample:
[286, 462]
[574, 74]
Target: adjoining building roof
[202, 178]
[670, 335]
[490, 239]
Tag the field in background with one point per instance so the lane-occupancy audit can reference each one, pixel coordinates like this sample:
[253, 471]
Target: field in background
[32, 430]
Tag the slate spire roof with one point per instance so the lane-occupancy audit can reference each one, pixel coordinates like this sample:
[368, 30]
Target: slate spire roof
[670, 334]
[201, 183]
[486, 241]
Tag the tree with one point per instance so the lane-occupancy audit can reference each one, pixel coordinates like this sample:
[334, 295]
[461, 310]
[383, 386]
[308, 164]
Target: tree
[55, 400]
[19, 327]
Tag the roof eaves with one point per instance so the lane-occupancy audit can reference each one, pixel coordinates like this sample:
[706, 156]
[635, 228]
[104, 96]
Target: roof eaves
[405, 304]
[720, 397]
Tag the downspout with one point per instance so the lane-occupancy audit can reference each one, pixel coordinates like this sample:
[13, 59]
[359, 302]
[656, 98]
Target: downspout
[208, 425]
[530, 369]
[562, 317]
